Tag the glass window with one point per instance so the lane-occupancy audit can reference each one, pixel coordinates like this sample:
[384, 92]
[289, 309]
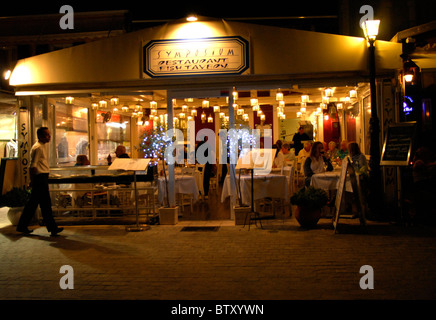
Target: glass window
[71, 125]
[112, 130]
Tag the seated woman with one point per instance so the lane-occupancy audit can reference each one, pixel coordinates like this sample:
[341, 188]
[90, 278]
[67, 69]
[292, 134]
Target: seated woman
[359, 161]
[316, 162]
[332, 151]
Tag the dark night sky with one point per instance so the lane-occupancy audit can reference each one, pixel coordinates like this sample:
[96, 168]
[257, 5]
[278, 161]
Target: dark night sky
[158, 9]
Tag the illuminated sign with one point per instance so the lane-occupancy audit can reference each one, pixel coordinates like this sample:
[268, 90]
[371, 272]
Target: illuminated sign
[196, 57]
[407, 105]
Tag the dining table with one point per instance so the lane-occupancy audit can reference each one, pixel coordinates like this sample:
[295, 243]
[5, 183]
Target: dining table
[183, 184]
[271, 185]
[329, 180]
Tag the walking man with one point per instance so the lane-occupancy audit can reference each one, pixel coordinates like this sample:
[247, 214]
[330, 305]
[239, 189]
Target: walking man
[39, 170]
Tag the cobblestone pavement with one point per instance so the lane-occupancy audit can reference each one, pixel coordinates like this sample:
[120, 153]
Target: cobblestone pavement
[279, 262]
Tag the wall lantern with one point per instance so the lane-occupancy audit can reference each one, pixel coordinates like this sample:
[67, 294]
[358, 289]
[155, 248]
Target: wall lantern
[210, 119]
[153, 105]
[194, 112]
[353, 93]
[410, 70]
[279, 96]
[69, 100]
[203, 117]
[216, 109]
[205, 104]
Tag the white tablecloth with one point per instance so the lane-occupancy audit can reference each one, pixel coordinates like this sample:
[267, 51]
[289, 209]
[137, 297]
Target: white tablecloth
[272, 185]
[329, 181]
[183, 184]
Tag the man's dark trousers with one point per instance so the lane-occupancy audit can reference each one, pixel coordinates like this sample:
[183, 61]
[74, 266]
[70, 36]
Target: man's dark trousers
[40, 195]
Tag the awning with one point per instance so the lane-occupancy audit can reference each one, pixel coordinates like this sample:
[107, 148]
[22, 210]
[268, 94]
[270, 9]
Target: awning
[275, 54]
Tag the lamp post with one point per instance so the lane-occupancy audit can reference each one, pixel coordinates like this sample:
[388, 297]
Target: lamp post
[370, 28]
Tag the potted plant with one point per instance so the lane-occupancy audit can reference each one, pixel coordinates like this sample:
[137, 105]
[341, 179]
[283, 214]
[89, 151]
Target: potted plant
[309, 202]
[15, 199]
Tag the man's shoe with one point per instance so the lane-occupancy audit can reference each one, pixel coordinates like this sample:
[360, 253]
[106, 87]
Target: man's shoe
[56, 231]
[24, 230]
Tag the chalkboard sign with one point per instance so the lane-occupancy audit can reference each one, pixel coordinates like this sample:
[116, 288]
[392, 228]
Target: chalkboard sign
[398, 144]
[347, 167]
[340, 192]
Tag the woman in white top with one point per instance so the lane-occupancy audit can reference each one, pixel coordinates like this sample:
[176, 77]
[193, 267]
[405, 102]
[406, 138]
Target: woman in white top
[316, 162]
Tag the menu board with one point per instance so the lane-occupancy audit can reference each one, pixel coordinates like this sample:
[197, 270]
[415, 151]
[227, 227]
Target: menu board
[129, 164]
[340, 192]
[398, 144]
[347, 167]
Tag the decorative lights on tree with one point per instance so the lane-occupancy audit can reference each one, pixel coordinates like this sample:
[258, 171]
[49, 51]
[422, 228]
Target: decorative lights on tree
[154, 142]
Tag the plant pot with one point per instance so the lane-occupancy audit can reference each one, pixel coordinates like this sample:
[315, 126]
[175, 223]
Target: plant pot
[307, 217]
[241, 214]
[14, 215]
[168, 216]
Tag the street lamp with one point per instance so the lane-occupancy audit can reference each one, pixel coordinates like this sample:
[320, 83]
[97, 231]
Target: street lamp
[370, 29]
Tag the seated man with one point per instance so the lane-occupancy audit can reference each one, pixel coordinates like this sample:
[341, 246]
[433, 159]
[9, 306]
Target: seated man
[305, 152]
[279, 161]
[120, 152]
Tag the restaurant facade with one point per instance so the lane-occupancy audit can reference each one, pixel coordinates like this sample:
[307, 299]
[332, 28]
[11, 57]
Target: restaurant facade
[217, 74]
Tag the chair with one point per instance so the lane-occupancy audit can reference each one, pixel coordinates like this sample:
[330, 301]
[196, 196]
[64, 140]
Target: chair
[214, 181]
[299, 173]
[184, 199]
[199, 176]
[149, 199]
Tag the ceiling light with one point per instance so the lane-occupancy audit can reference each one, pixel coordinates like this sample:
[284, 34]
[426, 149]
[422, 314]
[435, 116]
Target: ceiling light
[191, 18]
